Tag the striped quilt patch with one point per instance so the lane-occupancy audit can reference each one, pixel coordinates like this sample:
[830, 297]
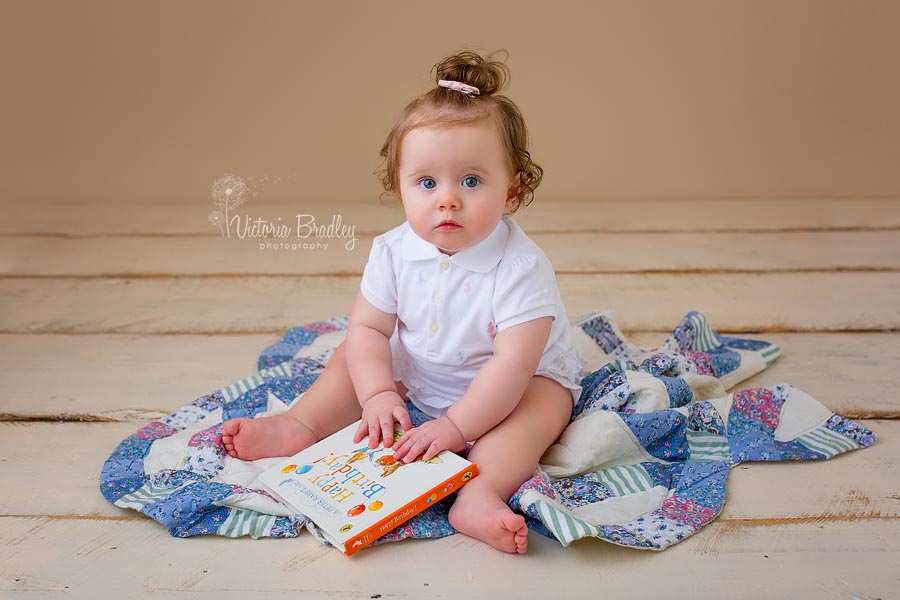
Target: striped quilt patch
[705, 338]
[144, 496]
[770, 353]
[238, 389]
[827, 442]
[246, 522]
[625, 479]
[707, 446]
[563, 526]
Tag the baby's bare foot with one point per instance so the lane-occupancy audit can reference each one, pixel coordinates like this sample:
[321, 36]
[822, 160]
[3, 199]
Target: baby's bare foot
[482, 515]
[278, 435]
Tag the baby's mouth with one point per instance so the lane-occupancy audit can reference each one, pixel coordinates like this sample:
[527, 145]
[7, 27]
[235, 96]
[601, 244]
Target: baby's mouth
[449, 225]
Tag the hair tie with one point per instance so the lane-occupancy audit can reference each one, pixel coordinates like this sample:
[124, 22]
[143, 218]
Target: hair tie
[469, 90]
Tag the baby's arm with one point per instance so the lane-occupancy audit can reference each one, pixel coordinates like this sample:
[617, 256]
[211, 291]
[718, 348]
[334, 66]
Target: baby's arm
[368, 352]
[494, 392]
[500, 383]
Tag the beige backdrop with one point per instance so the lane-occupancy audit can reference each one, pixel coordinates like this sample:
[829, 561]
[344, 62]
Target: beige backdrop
[151, 102]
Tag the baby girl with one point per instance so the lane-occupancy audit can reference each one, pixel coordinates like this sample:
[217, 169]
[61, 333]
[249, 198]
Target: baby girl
[458, 311]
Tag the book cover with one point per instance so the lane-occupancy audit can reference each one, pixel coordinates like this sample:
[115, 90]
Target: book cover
[355, 494]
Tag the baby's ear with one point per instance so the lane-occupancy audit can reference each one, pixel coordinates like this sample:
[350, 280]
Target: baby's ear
[512, 193]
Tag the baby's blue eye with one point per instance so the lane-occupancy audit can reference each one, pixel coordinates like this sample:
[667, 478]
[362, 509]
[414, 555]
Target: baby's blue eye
[470, 181]
[428, 183]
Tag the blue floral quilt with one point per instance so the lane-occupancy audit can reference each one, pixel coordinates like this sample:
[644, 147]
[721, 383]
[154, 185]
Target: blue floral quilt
[643, 462]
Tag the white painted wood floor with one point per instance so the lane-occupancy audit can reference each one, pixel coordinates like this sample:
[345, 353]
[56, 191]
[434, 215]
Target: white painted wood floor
[112, 315]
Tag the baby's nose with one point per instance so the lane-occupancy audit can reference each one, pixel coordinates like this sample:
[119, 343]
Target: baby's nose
[448, 200]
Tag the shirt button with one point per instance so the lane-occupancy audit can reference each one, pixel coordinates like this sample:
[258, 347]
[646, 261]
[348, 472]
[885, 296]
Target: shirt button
[445, 266]
[439, 297]
[434, 327]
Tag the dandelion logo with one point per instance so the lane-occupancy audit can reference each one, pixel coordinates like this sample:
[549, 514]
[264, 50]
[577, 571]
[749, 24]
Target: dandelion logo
[228, 193]
[217, 218]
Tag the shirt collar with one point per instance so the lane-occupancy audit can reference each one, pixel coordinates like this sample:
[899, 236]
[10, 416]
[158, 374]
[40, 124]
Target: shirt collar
[482, 257]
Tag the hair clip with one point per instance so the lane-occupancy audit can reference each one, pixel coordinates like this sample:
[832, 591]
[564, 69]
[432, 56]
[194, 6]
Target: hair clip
[469, 90]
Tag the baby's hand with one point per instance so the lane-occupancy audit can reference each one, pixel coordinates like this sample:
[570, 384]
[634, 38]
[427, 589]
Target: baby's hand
[378, 416]
[431, 438]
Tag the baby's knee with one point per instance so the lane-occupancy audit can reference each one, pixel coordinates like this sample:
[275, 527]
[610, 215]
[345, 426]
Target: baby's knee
[340, 353]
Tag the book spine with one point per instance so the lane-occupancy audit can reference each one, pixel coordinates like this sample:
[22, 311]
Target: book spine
[410, 509]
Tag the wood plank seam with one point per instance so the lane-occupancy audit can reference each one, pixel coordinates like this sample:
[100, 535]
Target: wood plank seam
[239, 332]
[356, 274]
[585, 231]
[44, 201]
[828, 517]
[94, 418]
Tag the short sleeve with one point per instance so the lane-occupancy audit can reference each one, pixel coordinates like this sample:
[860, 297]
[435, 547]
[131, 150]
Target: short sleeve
[378, 282]
[525, 290]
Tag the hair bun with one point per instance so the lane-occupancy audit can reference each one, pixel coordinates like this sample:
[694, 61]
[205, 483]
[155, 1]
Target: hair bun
[488, 75]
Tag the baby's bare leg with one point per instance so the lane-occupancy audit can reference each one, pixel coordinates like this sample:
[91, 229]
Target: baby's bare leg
[328, 405]
[506, 457]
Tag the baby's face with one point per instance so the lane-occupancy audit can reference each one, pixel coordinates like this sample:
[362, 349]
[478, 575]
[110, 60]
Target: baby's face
[455, 173]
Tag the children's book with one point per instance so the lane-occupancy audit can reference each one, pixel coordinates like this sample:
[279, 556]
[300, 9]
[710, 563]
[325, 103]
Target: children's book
[355, 494]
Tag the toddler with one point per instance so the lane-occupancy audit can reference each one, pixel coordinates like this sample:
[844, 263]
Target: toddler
[458, 311]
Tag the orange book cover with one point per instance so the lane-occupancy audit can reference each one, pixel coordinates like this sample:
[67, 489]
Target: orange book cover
[354, 494]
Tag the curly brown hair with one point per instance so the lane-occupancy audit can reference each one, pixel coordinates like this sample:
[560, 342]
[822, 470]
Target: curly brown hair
[441, 106]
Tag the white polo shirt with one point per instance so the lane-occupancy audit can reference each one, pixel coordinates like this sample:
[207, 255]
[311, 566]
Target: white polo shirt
[449, 308]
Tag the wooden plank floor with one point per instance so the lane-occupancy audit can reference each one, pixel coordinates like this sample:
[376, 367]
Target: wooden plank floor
[110, 317]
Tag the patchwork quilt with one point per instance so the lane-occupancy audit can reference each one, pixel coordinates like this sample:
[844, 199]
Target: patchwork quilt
[643, 462]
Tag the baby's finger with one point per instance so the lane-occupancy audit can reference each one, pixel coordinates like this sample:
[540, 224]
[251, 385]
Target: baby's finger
[403, 446]
[400, 441]
[387, 430]
[409, 434]
[402, 416]
[433, 450]
[415, 450]
[360, 431]
[400, 445]
[374, 434]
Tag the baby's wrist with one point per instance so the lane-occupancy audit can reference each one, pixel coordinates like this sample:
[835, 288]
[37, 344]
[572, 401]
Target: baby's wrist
[455, 426]
[375, 395]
